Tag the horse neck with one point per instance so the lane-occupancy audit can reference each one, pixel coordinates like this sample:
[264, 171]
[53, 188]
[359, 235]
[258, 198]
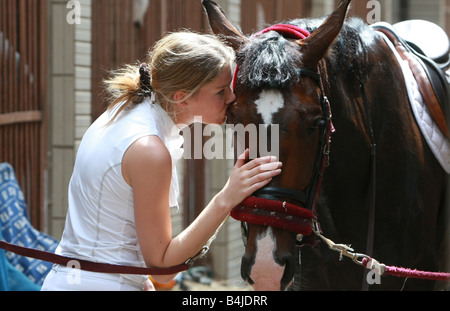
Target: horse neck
[374, 70]
[347, 73]
[353, 69]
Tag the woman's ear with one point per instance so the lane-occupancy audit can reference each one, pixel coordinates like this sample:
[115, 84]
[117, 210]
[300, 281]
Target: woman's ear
[180, 98]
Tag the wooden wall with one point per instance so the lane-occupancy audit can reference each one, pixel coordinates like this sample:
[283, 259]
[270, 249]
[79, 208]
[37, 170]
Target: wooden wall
[256, 14]
[118, 41]
[447, 17]
[23, 121]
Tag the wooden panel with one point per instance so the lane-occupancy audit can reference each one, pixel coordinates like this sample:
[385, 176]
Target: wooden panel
[165, 16]
[20, 117]
[112, 44]
[359, 8]
[447, 16]
[253, 11]
[118, 41]
[22, 97]
[291, 9]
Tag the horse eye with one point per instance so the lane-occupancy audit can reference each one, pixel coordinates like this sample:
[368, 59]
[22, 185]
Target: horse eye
[284, 129]
[321, 123]
[315, 125]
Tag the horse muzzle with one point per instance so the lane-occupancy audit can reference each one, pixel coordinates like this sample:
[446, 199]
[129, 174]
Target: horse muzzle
[269, 263]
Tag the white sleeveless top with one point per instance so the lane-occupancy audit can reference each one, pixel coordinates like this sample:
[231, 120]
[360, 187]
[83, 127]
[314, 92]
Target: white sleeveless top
[100, 224]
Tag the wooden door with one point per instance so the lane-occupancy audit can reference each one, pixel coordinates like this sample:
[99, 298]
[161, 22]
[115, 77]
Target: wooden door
[23, 122]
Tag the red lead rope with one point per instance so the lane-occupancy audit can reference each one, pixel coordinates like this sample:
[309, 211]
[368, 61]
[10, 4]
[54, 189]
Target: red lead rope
[409, 273]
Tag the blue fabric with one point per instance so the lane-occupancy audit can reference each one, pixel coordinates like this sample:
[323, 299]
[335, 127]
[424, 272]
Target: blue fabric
[17, 229]
[13, 280]
[3, 271]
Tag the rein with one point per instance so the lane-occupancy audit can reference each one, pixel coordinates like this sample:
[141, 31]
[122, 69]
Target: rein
[284, 208]
[89, 265]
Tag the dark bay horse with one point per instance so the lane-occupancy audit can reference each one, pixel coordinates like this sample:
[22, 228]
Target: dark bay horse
[283, 81]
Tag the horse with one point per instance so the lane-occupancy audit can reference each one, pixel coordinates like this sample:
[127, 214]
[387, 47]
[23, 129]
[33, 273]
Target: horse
[355, 164]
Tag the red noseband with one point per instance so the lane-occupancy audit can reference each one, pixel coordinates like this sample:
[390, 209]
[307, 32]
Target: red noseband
[277, 214]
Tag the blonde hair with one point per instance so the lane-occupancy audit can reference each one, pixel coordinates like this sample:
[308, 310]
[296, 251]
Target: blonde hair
[181, 61]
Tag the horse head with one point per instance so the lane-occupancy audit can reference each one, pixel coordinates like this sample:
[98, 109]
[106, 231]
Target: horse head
[278, 82]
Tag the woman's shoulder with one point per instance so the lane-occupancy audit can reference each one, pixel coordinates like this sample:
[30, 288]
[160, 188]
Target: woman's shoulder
[149, 148]
[147, 156]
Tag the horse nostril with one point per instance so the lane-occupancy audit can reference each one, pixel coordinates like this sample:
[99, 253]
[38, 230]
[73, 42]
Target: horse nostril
[289, 270]
[246, 268]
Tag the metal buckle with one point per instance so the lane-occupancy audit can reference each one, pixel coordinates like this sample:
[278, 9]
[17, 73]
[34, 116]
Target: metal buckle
[347, 251]
[316, 227]
[201, 253]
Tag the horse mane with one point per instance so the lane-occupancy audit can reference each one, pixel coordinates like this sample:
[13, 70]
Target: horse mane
[349, 55]
[272, 61]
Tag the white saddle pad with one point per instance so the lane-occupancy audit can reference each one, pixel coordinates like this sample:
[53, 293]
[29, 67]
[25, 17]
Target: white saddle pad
[439, 145]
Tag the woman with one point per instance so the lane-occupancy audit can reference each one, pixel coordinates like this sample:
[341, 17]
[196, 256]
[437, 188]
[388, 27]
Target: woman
[124, 179]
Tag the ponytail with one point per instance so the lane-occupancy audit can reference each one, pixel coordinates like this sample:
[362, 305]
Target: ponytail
[146, 80]
[129, 85]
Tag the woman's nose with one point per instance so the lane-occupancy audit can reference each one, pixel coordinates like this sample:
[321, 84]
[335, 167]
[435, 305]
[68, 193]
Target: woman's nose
[231, 98]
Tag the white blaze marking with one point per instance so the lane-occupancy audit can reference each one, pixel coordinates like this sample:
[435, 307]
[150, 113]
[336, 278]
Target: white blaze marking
[268, 103]
[266, 273]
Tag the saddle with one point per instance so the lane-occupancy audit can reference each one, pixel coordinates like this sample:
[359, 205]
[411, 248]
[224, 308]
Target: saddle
[426, 38]
[426, 47]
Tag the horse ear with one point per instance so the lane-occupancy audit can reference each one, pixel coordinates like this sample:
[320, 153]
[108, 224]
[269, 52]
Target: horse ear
[221, 26]
[317, 44]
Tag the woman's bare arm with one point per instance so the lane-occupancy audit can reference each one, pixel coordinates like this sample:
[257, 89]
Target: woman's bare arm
[147, 168]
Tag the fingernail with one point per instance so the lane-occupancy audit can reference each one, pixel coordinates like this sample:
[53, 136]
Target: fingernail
[269, 166]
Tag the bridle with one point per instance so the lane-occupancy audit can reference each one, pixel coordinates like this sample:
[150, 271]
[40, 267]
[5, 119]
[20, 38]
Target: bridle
[292, 209]
[296, 210]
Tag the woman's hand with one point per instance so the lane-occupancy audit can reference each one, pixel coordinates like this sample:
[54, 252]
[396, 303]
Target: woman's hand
[246, 178]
